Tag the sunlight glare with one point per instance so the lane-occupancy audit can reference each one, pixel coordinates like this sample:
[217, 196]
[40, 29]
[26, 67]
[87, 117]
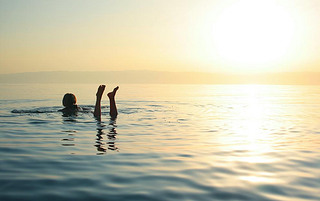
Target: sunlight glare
[253, 34]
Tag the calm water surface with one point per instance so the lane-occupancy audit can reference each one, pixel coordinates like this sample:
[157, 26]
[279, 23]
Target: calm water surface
[169, 142]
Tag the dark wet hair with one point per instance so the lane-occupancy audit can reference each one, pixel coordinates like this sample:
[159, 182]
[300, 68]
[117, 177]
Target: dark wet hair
[69, 100]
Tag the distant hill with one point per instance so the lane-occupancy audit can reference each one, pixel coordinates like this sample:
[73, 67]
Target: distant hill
[158, 77]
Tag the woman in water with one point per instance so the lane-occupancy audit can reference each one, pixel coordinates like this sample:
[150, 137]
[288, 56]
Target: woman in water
[69, 102]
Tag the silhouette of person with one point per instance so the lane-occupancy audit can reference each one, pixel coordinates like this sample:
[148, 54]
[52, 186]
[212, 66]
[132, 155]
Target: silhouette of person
[69, 102]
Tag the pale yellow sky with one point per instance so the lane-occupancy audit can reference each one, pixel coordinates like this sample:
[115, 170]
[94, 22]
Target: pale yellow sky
[201, 35]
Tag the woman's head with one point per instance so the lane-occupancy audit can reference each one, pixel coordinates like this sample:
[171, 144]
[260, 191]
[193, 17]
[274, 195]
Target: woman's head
[69, 100]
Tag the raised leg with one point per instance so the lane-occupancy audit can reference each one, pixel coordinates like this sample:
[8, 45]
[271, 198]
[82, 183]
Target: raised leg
[113, 107]
[97, 108]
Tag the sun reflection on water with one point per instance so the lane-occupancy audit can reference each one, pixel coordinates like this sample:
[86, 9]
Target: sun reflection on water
[249, 125]
[259, 179]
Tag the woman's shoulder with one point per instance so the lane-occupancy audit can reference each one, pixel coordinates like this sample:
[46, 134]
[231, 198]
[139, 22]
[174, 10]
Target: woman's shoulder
[74, 108]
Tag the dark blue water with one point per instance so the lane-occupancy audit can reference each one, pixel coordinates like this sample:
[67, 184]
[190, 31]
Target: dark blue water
[169, 142]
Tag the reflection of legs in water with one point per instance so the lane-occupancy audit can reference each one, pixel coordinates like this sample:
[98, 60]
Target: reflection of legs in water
[113, 107]
[99, 141]
[112, 135]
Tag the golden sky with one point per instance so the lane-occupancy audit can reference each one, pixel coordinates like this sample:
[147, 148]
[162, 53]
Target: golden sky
[177, 35]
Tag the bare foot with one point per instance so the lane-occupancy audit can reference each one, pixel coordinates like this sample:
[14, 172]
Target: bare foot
[113, 93]
[100, 91]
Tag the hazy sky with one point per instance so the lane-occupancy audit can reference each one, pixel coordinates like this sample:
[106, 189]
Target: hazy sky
[173, 35]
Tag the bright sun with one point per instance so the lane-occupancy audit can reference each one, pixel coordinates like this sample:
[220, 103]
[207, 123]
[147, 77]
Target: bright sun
[253, 35]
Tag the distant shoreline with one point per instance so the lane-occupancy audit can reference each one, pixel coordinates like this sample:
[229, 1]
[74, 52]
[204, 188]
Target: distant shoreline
[161, 77]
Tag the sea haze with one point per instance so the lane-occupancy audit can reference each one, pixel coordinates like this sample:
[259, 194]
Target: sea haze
[169, 142]
[161, 77]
